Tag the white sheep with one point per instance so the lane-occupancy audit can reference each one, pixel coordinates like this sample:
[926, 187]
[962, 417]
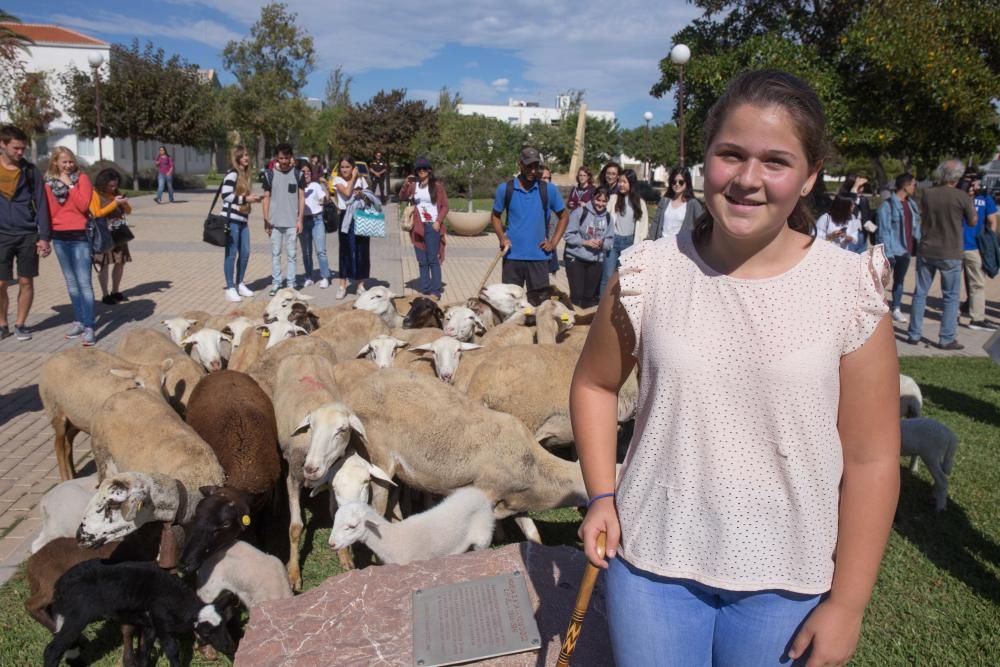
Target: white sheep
[911, 401]
[462, 520]
[280, 330]
[148, 346]
[127, 500]
[504, 299]
[517, 329]
[463, 323]
[62, 507]
[209, 347]
[349, 331]
[382, 350]
[237, 327]
[379, 300]
[178, 327]
[349, 480]
[252, 575]
[936, 444]
[280, 305]
[447, 354]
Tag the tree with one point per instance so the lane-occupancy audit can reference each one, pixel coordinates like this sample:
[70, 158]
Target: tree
[912, 79]
[12, 46]
[447, 102]
[33, 107]
[338, 88]
[270, 66]
[387, 122]
[145, 96]
[660, 147]
[474, 153]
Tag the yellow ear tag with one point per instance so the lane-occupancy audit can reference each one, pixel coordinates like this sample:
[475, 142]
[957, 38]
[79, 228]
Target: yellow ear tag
[246, 519]
[138, 508]
[529, 311]
[265, 333]
[553, 298]
[564, 317]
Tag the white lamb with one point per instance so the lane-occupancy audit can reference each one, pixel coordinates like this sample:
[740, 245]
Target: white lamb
[178, 327]
[447, 353]
[278, 331]
[936, 444]
[382, 350]
[251, 574]
[463, 323]
[62, 509]
[379, 300]
[462, 520]
[210, 347]
[911, 401]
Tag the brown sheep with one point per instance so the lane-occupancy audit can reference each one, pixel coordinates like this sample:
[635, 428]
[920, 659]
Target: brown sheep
[236, 418]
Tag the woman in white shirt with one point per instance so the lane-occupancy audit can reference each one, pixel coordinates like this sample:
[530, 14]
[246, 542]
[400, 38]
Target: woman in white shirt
[841, 224]
[430, 206]
[313, 231]
[631, 221]
[678, 209]
[353, 250]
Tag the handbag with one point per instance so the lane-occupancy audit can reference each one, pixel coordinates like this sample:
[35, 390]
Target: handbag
[406, 224]
[216, 228]
[331, 221]
[369, 223]
[120, 233]
[989, 251]
[98, 235]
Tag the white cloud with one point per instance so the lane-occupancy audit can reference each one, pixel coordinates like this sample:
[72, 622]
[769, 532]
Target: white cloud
[611, 54]
[501, 85]
[201, 31]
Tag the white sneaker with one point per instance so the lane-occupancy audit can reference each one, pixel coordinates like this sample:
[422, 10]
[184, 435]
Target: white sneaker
[324, 283]
[898, 316]
[341, 292]
[244, 290]
[307, 282]
[231, 295]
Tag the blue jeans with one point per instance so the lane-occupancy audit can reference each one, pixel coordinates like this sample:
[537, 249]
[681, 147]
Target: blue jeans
[666, 622]
[430, 262]
[164, 181]
[237, 243]
[314, 234]
[621, 243]
[283, 236]
[74, 260]
[951, 280]
[900, 264]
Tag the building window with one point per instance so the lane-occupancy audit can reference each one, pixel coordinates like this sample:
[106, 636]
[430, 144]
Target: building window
[85, 147]
[146, 152]
[512, 120]
[535, 121]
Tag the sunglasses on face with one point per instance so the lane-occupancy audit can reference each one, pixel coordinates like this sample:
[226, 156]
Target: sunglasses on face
[679, 181]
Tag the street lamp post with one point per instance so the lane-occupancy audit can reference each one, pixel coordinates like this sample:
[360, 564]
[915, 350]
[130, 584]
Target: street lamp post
[649, 175]
[96, 60]
[679, 55]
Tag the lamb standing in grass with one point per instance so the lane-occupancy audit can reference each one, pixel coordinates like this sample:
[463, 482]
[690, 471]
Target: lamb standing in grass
[911, 401]
[462, 520]
[936, 444]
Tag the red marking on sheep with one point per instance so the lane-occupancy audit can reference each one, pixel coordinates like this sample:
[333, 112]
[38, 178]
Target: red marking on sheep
[311, 383]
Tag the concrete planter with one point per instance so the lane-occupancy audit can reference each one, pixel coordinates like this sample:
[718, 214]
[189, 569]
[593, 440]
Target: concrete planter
[468, 224]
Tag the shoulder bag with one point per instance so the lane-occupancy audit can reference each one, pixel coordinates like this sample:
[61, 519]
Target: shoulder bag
[98, 235]
[216, 226]
[369, 223]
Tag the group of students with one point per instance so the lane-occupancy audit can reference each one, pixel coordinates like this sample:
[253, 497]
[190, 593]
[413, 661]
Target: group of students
[299, 208]
[609, 217]
[49, 212]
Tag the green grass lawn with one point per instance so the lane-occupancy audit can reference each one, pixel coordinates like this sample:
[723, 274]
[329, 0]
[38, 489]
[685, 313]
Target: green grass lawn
[937, 601]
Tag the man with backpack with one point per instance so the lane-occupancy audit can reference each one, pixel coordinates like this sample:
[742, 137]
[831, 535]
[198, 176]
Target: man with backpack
[284, 206]
[528, 202]
[24, 227]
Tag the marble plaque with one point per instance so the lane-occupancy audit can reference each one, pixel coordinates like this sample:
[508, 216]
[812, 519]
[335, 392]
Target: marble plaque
[473, 620]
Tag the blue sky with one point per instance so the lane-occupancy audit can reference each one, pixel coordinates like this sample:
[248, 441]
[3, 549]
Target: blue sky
[525, 49]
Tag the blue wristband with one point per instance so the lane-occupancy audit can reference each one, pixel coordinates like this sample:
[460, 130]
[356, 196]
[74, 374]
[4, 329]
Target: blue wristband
[598, 497]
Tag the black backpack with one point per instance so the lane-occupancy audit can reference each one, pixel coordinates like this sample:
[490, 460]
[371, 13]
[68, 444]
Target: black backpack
[28, 169]
[543, 193]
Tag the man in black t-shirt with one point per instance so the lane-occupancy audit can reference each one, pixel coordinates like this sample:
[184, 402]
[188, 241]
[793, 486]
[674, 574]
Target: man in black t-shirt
[380, 176]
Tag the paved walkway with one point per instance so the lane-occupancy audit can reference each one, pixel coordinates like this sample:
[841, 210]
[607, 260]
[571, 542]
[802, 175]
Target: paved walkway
[172, 272]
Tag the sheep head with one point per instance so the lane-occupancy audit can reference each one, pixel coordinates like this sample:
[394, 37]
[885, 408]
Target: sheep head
[378, 300]
[210, 347]
[381, 350]
[329, 427]
[351, 523]
[447, 353]
[505, 299]
[275, 332]
[178, 327]
[423, 313]
[237, 327]
[211, 626]
[219, 519]
[121, 505]
[280, 304]
[463, 323]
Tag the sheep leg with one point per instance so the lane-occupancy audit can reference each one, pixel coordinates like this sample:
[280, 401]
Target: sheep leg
[940, 484]
[294, 532]
[528, 527]
[37, 608]
[128, 645]
[63, 447]
[914, 464]
[64, 640]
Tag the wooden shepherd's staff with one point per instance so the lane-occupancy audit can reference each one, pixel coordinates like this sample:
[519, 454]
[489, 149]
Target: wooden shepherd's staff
[582, 602]
[496, 259]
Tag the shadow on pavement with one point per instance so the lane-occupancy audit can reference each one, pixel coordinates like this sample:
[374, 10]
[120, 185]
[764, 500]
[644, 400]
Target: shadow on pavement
[18, 402]
[110, 318]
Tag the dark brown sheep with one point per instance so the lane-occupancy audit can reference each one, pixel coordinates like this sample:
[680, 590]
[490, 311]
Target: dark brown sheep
[230, 412]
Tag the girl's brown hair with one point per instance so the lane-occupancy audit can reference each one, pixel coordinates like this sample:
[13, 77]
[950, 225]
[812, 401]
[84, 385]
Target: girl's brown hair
[53, 169]
[773, 88]
[243, 184]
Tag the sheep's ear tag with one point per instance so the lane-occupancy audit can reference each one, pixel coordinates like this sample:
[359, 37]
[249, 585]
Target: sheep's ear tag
[553, 298]
[564, 317]
[138, 507]
[529, 311]
[265, 333]
[245, 519]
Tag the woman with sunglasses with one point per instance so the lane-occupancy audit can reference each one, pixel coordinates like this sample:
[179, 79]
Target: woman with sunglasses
[430, 206]
[678, 209]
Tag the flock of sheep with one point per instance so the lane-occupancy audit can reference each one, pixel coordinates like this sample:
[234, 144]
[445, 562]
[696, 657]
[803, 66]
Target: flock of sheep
[194, 430]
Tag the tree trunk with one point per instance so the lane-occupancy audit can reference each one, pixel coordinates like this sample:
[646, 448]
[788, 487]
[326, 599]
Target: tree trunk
[260, 150]
[213, 161]
[881, 180]
[34, 149]
[134, 140]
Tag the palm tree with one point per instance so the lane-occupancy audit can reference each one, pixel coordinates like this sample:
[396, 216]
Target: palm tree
[10, 41]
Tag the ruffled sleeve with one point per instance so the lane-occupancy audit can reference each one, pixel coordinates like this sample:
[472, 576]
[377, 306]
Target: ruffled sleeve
[633, 281]
[874, 276]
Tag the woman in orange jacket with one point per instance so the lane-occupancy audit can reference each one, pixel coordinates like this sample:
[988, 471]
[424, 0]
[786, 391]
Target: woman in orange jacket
[69, 192]
[110, 204]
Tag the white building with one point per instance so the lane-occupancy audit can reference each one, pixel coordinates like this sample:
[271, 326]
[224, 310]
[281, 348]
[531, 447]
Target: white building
[522, 113]
[55, 49]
